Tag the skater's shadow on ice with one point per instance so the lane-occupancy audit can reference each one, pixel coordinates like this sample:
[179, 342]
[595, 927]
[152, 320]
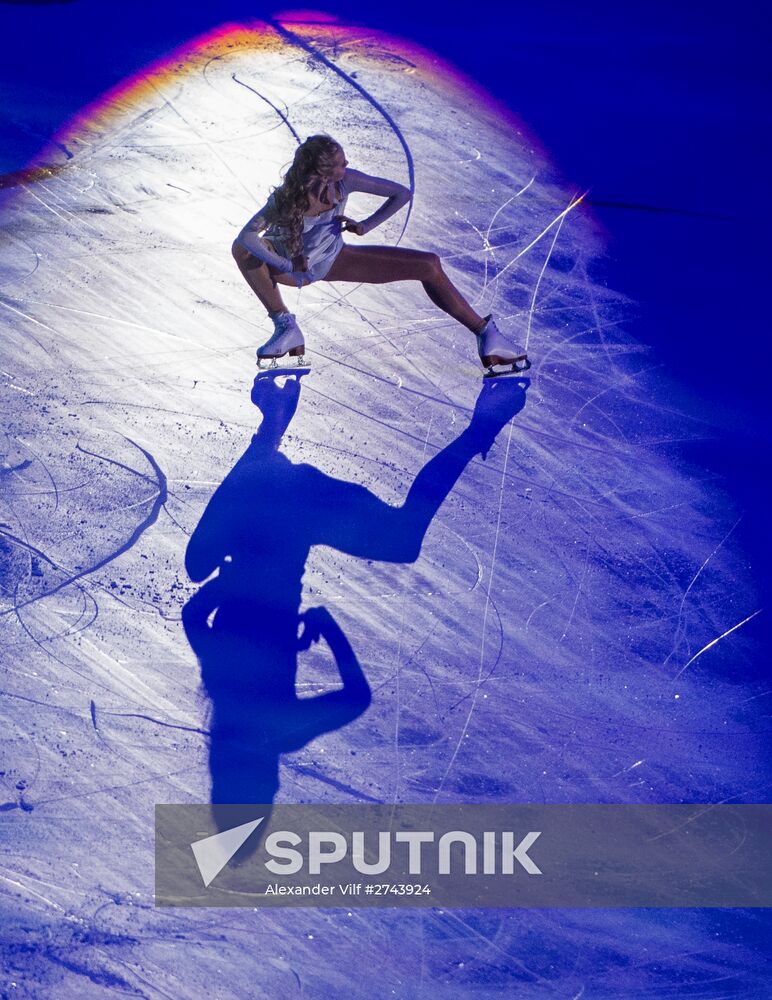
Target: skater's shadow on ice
[256, 533]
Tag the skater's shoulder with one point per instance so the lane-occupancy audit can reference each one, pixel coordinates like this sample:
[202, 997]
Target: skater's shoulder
[269, 207]
[265, 212]
[270, 203]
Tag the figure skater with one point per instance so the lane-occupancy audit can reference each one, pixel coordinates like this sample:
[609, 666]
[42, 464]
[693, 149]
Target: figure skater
[302, 222]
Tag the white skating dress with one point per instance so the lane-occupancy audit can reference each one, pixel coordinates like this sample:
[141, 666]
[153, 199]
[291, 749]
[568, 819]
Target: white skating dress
[322, 240]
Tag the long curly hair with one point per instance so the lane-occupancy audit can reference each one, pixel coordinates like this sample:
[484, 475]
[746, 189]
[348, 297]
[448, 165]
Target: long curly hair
[314, 160]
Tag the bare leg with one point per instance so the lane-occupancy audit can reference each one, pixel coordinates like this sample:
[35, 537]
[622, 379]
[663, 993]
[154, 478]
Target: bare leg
[262, 279]
[379, 264]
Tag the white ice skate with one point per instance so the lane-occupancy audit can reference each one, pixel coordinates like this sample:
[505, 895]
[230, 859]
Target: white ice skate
[497, 354]
[287, 339]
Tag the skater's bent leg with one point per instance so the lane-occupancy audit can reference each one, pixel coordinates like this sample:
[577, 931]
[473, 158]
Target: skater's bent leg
[379, 264]
[261, 279]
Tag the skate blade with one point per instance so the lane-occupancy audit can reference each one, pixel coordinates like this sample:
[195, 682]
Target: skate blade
[516, 367]
[282, 365]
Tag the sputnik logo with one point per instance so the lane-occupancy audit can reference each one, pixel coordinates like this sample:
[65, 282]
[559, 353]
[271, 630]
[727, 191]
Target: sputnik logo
[213, 853]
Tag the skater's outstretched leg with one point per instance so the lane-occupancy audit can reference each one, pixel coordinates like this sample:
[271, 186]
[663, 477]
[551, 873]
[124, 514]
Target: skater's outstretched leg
[379, 264]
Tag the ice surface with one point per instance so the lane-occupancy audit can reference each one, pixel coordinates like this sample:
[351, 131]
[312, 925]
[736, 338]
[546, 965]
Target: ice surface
[568, 632]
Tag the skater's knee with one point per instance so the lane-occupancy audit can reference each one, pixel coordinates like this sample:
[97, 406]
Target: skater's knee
[426, 266]
[433, 264]
[240, 253]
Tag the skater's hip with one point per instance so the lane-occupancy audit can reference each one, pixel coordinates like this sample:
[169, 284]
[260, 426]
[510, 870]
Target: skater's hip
[320, 261]
[275, 247]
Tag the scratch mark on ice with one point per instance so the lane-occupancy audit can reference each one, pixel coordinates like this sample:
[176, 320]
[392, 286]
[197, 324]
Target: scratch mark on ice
[723, 635]
[680, 626]
[558, 219]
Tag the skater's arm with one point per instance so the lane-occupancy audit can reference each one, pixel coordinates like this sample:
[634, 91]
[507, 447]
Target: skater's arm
[250, 240]
[396, 194]
[327, 712]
